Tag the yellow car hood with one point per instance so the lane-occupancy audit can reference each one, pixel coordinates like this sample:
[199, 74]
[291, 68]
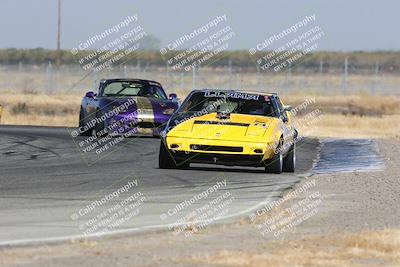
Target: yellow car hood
[239, 127]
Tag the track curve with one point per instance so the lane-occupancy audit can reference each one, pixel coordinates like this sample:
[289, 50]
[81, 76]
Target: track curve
[44, 182]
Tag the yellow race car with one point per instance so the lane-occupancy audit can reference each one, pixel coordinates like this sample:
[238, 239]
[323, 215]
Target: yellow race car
[230, 128]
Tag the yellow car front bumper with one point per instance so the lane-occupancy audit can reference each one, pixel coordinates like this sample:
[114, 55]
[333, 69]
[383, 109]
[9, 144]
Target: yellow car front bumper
[219, 151]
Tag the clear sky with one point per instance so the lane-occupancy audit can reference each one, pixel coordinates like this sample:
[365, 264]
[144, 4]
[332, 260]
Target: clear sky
[348, 25]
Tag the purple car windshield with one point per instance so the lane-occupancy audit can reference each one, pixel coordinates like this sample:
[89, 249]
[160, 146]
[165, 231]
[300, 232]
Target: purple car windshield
[127, 88]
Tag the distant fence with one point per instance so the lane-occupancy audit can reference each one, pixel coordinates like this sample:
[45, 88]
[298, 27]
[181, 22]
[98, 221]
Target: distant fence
[344, 80]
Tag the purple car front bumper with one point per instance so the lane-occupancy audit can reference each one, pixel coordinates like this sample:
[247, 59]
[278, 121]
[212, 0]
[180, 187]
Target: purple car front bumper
[145, 122]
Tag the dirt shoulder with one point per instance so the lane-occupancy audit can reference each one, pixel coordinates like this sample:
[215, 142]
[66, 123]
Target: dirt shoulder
[352, 202]
[353, 221]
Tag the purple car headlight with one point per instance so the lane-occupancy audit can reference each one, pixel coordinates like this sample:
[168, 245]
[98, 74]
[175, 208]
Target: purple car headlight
[168, 111]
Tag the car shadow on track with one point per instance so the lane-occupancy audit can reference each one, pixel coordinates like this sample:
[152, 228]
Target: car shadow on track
[221, 169]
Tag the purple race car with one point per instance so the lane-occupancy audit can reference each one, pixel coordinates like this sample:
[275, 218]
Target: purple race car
[126, 107]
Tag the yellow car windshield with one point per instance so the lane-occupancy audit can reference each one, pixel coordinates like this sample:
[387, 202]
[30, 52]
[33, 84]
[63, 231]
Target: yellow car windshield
[228, 103]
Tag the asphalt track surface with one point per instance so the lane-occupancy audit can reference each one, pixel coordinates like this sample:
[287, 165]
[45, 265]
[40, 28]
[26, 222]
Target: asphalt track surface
[46, 183]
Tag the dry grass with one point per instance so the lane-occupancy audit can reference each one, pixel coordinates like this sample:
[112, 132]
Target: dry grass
[361, 104]
[68, 120]
[352, 116]
[353, 126]
[378, 248]
[356, 116]
[35, 109]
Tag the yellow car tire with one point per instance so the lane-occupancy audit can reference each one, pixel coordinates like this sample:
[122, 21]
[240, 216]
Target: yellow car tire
[166, 160]
[275, 165]
[289, 162]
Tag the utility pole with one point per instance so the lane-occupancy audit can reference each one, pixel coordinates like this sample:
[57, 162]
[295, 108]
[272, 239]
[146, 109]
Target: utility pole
[58, 34]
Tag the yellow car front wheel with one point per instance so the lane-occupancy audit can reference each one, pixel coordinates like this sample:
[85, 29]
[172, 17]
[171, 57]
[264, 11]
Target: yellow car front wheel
[166, 160]
[275, 165]
[289, 162]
